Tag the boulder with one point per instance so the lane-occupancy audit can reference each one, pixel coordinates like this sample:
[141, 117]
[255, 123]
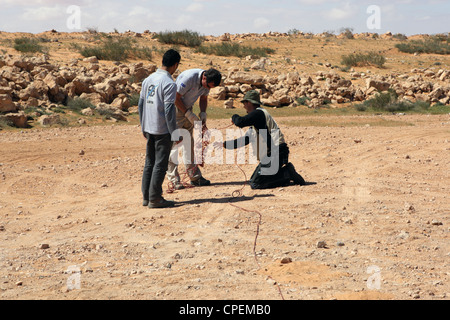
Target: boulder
[229, 104]
[95, 98]
[19, 119]
[218, 93]
[6, 103]
[87, 112]
[121, 103]
[48, 120]
[247, 78]
[379, 85]
[436, 94]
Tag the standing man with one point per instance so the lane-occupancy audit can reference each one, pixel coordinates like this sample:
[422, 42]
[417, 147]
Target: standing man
[267, 174]
[157, 115]
[191, 85]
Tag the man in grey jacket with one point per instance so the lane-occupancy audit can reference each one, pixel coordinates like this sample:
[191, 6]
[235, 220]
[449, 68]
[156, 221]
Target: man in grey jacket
[157, 115]
[192, 85]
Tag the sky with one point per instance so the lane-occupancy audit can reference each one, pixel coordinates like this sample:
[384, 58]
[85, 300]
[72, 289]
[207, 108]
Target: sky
[216, 17]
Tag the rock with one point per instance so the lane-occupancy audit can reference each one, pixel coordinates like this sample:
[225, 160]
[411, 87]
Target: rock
[225, 37]
[91, 59]
[218, 93]
[403, 235]
[322, 244]
[19, 120]
[48, 120]
[436, 223]
[121, 102]
[94, 97]
[87, 112]
[307, 81]
[271, 102]
[247, 77]
[229, 104]
[436, 94]
[44, 246]
[6, 103]
[286, 260]
[378, 85]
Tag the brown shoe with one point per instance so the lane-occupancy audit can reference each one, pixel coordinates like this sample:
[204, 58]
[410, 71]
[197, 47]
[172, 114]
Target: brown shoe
[201, 182]
[161, 203]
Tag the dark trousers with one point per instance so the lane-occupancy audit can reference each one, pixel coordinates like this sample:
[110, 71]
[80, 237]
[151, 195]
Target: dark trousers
[280, 179]
[156, 162]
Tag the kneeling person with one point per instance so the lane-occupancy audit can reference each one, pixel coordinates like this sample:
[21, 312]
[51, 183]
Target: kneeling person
[259, 119]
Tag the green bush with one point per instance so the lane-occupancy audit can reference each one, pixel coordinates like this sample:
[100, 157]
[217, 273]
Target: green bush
[363, 59]
[4, 123]
[27, 45]
[134, 99]
[388, 102]
[185, 38]
[234, 49]
[77, 104]
[115, 50]
[434, 45]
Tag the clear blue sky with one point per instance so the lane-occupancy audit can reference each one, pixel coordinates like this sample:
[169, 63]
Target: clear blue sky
[215, 17]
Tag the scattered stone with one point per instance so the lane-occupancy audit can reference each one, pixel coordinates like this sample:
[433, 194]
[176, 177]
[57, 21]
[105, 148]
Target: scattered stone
[403, 235]
[44, 246]
[436, 223]
[286, 260]
[322, 244]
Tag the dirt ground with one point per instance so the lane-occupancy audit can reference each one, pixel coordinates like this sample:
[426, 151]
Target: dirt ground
[375, 225]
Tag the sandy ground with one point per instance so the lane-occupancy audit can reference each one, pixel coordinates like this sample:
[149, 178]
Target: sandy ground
[375, 225]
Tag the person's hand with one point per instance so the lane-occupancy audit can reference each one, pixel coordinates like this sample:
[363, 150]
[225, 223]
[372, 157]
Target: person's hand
[218, 145]
[203, 116]
[192, 117]
[179, 141]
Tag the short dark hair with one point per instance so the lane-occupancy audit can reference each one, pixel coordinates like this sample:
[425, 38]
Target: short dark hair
[170, 58]
[212, 75]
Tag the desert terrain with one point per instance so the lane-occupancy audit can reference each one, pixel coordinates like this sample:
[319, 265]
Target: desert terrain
[373, 224]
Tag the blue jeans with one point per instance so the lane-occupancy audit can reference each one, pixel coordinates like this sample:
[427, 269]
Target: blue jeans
[156, 162]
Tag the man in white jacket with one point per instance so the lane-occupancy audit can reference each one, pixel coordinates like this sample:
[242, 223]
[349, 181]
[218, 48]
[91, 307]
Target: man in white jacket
[192, 85]
[157, 115]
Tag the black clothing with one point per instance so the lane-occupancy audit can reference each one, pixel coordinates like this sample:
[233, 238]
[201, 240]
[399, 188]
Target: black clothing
[259, 120]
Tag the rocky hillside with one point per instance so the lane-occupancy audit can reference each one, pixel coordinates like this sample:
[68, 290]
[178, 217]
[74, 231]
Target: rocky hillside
[48, 81]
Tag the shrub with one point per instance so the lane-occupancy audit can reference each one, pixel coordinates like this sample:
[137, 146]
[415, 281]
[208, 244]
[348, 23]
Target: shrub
[235, 49]
[27, 45]
[388, 102]
[185, 38]
[77, 104]
[302, 101]
[434, 45]
[360, 59]
[4, 123]
[134, 99]
[399, 36]
[347, 33]
[115, 50]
